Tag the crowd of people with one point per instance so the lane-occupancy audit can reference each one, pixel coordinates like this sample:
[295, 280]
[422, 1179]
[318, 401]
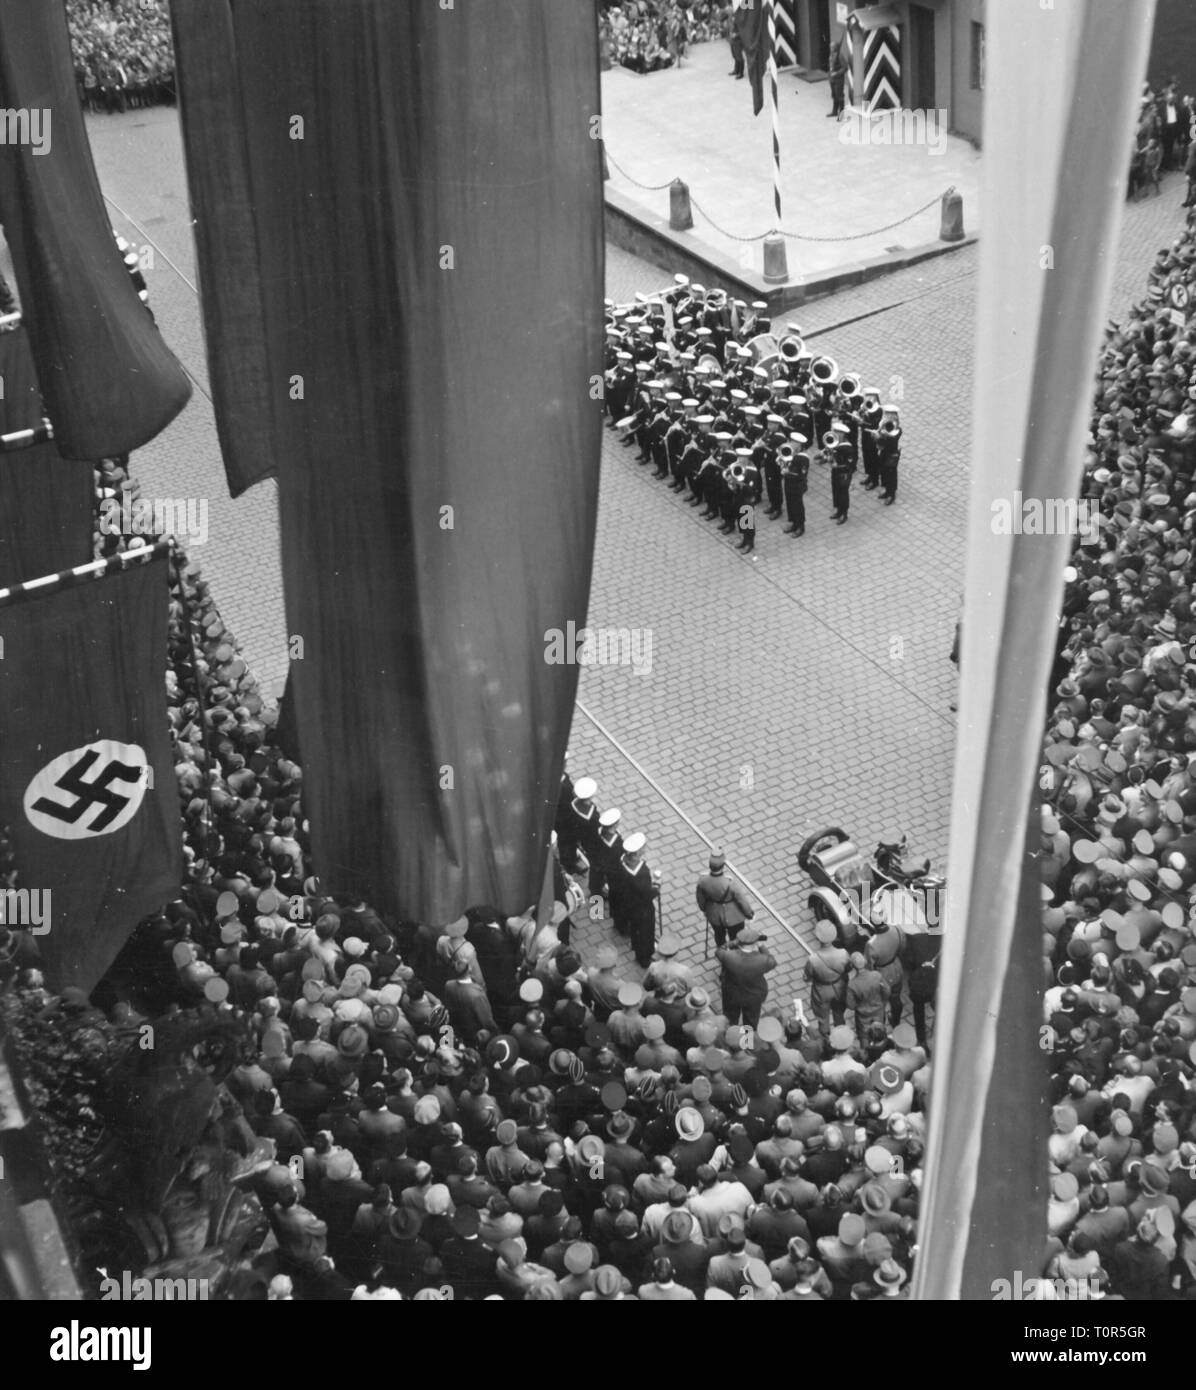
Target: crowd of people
[1118, 790]
[123, 53]
[647, 35]
[1163, 140]
[733, 415]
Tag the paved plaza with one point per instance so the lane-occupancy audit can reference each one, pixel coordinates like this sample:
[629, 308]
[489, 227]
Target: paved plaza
[696, 123]
[806, 686]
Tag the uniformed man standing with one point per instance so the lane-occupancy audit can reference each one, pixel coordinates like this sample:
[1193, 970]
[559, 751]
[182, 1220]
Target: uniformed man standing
[581, 824]
[722, 902]
[871, 415]
[608, 850]
[795, 481]
[635, 891]
[889, 450]
[826, 971]
[765, 457]
[841, 471]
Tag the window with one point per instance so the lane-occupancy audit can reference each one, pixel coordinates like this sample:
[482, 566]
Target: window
[977, 57]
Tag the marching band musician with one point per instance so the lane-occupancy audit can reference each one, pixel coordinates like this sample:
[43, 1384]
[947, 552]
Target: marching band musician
[871, 415]
[795, 480]
[727, 423]
[889, 448]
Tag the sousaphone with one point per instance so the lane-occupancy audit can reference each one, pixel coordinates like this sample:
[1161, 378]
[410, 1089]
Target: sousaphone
[766, 352]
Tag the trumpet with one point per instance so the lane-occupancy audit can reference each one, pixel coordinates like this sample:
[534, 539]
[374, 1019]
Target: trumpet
[824, 370]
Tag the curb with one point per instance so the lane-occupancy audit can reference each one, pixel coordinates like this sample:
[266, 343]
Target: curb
[629, 228]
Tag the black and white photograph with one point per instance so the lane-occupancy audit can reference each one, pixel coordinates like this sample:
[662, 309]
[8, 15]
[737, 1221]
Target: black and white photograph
[597, 665]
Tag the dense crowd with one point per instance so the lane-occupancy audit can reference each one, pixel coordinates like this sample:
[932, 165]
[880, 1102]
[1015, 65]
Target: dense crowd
[647, 35]
[734, 415]
[1119, 825]
[123, 53]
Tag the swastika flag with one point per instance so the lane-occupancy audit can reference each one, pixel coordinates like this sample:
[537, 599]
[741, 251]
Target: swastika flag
[87, 785]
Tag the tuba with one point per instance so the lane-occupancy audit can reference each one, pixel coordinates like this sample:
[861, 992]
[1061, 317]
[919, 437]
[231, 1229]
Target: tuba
[824, 370]
[790, 348]
[850, 393]
[765, 353]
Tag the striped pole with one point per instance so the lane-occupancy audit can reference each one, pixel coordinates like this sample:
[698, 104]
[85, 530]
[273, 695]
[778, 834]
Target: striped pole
[97, 569]
[776, 110]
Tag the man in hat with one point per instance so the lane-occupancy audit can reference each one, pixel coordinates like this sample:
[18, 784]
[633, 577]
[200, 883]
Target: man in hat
[608, 850]
[826, 971]
[579, 826]
[744, 968]
[635, 898]
[842, 469]
[665, 968]
[722, 902]
[603, 984]
[867, 994]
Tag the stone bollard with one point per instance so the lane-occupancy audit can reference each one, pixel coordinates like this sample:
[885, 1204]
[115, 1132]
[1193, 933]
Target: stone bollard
[681, 217]
[952, 226]
[776, 269]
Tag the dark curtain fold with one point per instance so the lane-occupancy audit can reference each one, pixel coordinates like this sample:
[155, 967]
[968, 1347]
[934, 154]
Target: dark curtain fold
[46, 502]
[426, 189]
[109, 381]
[81, 720]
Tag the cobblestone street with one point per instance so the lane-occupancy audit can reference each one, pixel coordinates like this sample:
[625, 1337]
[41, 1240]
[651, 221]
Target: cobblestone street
[806, 685]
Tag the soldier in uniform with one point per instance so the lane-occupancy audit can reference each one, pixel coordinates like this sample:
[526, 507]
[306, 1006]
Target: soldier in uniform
[694, 457]
[636, 895]
[581, 823]
[826, 971]
[729, 495]
[795, 481]
[608, 850]
[889, 449]
[841, 471]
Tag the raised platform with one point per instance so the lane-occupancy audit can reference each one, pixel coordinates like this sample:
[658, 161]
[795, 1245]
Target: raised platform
[847, 205]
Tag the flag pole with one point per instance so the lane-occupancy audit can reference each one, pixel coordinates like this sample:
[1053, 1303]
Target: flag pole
[776, 110]
[776, 269]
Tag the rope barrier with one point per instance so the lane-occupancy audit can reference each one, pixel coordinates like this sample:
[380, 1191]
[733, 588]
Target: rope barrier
[791, 236]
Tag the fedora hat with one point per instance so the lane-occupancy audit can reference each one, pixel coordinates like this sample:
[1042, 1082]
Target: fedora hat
[689, 1122]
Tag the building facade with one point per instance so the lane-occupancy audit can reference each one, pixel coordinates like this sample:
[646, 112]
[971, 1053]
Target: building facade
[917, 54]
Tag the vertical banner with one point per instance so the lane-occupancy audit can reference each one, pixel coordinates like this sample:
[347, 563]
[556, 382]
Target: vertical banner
[87, 786]
[1062, 93]
[427, 197]
[109, 381]
[47, 502]
[226, 245]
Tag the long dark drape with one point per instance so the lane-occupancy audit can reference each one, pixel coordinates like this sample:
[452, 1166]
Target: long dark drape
[81, 721]
[109, 381]
[46, 501]
[426, 194]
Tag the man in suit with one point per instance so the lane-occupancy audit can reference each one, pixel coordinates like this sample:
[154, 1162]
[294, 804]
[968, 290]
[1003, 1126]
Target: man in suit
[744, 967]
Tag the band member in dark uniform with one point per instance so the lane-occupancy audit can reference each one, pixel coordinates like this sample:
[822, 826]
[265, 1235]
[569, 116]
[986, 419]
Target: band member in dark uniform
[795, 479]
[633, 898]
[608, 850]
[764, 456]
[890, 453]
[841, 471]
[870, 418]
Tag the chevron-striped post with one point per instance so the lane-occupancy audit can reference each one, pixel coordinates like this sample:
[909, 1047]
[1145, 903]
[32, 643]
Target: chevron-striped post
[774, 246]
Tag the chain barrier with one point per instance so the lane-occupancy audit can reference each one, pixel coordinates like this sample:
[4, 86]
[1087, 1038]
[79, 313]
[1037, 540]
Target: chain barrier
[791, 236]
